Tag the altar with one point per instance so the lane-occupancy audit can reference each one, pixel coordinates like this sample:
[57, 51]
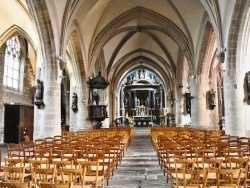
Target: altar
[143, 121]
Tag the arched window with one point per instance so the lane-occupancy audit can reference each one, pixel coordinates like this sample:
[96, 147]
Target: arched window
[12, 63]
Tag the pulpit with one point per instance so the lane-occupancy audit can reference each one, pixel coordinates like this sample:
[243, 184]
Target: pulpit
[97, 111]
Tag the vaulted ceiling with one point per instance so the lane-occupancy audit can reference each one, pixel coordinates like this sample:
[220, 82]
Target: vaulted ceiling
[129, 32]
[125, 33]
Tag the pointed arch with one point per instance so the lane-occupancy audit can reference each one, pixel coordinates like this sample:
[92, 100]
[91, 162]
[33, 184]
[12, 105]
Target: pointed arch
[15, 30]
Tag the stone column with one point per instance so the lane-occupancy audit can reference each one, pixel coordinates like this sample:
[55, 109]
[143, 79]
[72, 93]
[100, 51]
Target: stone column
[161, 101]
[48, 119]
[2, 53]
[194, 107]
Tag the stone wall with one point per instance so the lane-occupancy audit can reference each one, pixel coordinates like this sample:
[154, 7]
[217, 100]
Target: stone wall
[10, 96]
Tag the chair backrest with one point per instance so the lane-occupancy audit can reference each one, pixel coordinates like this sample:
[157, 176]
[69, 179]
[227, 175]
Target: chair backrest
[211, 164]
[194, 177]
[14, 173]
[76, 176]
[39, 163]
[42, 153]
[229, 177]
[90, 166]
[13, 161]
[235, 163]
[43, 175]
[55, 185]
[181, 164]
[15, 185]
[62, 164]
[16, 150]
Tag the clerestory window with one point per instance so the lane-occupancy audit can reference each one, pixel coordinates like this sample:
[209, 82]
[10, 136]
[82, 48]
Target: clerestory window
[12, 64]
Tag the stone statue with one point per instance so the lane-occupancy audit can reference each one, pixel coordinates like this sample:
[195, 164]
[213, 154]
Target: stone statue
[39, 94]
[126, 100]
[74, 102]
[39, 91]
[212, 98]
[138, 102]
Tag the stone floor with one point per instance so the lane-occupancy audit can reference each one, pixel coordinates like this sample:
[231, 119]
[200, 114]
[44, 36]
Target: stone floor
[139, 167]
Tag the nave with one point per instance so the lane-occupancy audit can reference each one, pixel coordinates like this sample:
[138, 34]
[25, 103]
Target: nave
[139, 167]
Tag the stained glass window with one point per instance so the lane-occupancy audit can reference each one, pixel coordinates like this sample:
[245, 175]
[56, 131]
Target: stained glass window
[12, 64]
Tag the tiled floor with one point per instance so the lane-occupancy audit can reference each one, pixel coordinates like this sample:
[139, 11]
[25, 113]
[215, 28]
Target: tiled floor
[139, 167]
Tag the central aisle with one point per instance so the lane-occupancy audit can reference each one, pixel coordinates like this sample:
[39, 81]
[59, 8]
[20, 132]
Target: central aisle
[139, 167]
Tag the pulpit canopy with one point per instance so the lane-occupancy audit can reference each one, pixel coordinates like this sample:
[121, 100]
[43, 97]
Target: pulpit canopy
[98, 82]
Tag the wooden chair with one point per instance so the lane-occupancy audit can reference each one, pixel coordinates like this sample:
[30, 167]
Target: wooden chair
[227, 178]
[16, 151]
[55, 185]
[76, 176]
[192, 178]
[15, 185]
[12, 174]
[92, 172]
[43, 154]
[12, 146]
[180, 166]
[211, 165]
[240, 163]
[28, 154]
[204, 153]
[45, 175]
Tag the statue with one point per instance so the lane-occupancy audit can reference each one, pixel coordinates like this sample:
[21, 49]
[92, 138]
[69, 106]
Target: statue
[74, 102]
[248, 84]
[146, 102]
[138, 102]
[96, 98]
[39, 94]
[126, 100]
[39, 91]
[212, 99]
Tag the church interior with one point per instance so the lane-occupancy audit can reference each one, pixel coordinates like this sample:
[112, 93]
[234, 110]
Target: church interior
[80, 65]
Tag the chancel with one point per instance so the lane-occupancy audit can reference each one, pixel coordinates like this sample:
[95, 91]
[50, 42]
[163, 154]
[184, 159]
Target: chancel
[142, 97]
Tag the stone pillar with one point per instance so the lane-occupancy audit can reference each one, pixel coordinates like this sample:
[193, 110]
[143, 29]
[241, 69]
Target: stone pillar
[202, 106]
[161, 101]
[237, 119]
[194, 107]
[73, 115]
[2, 53]
[48, 119]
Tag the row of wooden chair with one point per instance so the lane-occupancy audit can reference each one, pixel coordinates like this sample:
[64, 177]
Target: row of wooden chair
[88, 145]
[211, 152]
[84, 173]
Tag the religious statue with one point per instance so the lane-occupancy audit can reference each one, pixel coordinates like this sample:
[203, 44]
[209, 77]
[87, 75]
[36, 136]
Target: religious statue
[248, 84]
[39, 91]
[96, 98]
[138, 102]
[74, 102]
[157, 99]
[212, 99]
[39, 94]
[188, 102]
[126, 100]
